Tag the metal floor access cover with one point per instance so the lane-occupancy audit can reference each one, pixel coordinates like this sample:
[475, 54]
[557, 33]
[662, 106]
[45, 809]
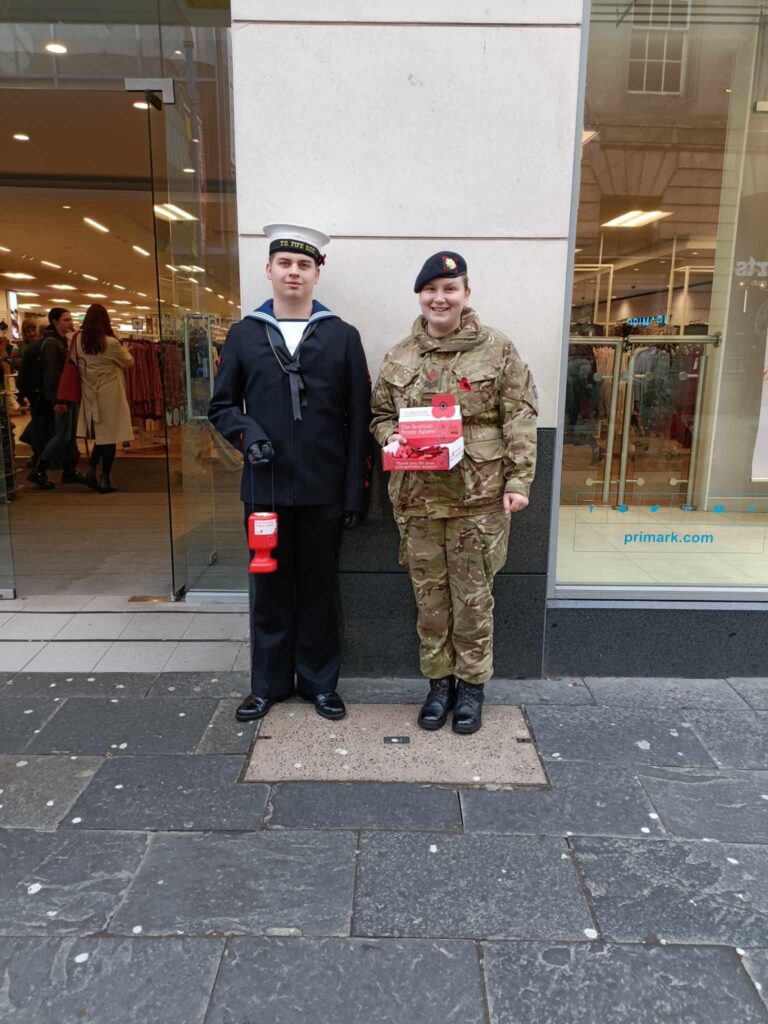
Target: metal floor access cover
[383, 743]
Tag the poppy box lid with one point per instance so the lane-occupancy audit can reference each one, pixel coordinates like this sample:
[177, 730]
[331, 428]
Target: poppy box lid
[438, 423]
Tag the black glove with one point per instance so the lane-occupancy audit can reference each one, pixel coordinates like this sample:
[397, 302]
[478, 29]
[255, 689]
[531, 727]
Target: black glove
[351, 520]
[260, 453]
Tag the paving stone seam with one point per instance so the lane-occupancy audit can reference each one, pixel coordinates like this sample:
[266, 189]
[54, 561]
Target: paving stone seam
[148, 836]
[762, 995]
[355, 879]
[702, 741]
[480, 953]
[584, 888]
[209, 1004]
[59, 704]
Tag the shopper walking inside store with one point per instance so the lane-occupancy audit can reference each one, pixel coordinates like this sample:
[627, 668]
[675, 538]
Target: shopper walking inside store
[62, 447]
[29, 384]
[293, 394]
[104, 413]
[454, 524]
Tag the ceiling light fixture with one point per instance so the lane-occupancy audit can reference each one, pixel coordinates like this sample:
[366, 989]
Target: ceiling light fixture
[120, 287]
[168, 211]
[141, 105]
[637, 218]
[47, 263]
[63, 287]
[95, 224]
[4, 248]
[90, 277]
[139, 250]
[28, 293]
[173, 270]
[21, 137]
[95, 295]
[18, 276]
[55, 47]
[122, 302]
[65, 207]
[208, 289]
[188, 170]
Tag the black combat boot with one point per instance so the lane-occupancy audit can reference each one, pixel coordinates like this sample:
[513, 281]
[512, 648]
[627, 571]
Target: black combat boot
[468, 713]
[440, 700]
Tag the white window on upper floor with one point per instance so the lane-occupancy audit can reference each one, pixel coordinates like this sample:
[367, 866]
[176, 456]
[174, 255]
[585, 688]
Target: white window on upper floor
[658, 47]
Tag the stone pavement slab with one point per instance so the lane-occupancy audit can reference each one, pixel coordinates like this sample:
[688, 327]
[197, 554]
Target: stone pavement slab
[217, 626]
[470, 886]
[348, 981]
[36, 792]
[14, 655]
[109, 981]
[196, 655]
[30, 626]
[21, 718]
[382, 742]
[362, 805]
[538, 983]
[126, 726]
[155, 626]
[730, 806]
[96, 626]
[80, 684]
[242, 883]
[616, 735]
[499, 691]
[677, 892]
[169, 793]
[75, 655]
[754, 690]
[584, 800]
[711, 694]
[224, 734]
[64, 882]
[756, 963]
[201, 684]
[734, 739]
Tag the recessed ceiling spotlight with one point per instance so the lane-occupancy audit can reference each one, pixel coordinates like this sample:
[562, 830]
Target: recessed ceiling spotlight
[171, 268]
[65, 207]
[122, 302]
[208, 289]
[95, 295]
[142, 294]
[21, 137]
[177, 53]
[18, 276]
[90, 277]
[95, 224]
[63, 287]
[47, 263]
[219, 296]
[141, 105]
[4, 248]
[120, 287]
[188, 170]
[139, 250]
[196, 141]
[55, 47]
[28, 293]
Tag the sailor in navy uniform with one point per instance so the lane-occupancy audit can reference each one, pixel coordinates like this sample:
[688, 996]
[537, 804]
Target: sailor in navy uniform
[293, 394]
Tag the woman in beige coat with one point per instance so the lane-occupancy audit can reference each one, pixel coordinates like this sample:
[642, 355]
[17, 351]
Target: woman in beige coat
[104, 413]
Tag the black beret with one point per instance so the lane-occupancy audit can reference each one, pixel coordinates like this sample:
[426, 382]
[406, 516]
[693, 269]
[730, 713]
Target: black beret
[442, 264]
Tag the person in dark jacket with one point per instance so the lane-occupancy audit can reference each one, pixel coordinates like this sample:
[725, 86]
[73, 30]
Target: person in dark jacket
[292, 393]
[63, 444]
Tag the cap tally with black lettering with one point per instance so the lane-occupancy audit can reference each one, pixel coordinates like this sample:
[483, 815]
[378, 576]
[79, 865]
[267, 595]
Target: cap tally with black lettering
[297, 239]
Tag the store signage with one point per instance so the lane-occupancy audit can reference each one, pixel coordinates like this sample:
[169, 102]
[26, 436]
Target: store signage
[751, 268]
[647, 321]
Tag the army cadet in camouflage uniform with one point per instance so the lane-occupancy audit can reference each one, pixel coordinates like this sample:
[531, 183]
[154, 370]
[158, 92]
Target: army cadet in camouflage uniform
[454, 525]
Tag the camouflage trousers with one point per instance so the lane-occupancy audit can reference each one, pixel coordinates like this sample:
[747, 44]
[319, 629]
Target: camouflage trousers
[452, 563]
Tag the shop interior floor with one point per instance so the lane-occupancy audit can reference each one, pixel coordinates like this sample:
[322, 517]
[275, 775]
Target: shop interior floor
[383, 743]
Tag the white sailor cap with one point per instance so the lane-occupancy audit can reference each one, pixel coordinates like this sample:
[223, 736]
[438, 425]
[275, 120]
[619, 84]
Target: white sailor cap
[296, 238]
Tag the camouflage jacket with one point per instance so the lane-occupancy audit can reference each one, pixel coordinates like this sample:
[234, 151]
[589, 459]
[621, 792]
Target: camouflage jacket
[497, 395]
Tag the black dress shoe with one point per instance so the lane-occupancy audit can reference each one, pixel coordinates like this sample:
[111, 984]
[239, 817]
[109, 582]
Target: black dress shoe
[327, 705]
[440, 700]
[39, 478]
[253, 707]
[468, 713]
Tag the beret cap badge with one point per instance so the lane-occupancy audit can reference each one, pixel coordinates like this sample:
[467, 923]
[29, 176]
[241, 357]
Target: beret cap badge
[449, 263]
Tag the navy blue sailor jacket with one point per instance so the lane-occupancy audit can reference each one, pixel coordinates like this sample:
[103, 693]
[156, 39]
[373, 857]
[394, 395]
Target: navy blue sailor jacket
[314, 406]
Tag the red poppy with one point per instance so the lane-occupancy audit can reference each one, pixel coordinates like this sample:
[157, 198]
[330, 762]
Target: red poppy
[443, 406]
[464, 385]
